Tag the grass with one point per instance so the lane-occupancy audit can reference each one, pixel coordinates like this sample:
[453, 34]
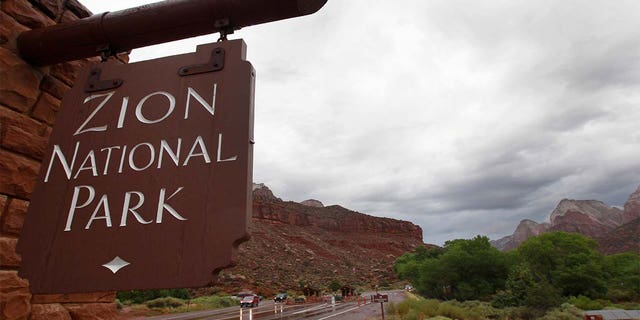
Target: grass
[417, 308]
[176, 305]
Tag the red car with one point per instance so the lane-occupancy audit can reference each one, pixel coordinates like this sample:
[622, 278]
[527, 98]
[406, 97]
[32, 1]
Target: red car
[249, 302]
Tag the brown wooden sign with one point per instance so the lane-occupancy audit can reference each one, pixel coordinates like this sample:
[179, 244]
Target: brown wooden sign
[380, 298]
[147, 179]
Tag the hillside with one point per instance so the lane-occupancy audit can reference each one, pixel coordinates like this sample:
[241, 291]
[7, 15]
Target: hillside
[616, 230]
[297, 245]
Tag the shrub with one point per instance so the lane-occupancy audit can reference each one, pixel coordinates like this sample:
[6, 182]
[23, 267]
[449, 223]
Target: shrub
[565, 312]
[543, 296]
[140, 296]
[453, 311]
[335, 285]
[214, 302]
[585, 303]
[525, 313]
[482, 310]
[166, 302]
[504, 298]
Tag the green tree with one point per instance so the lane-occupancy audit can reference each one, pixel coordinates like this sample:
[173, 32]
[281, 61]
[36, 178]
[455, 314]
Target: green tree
[566, 261]
[335, 285]
[463, 269]
[623, 276]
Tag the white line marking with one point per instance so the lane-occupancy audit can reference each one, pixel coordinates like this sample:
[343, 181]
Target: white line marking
[339, 313]
[311, 309]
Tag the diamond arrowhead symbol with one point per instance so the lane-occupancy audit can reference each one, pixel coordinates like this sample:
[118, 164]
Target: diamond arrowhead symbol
[116, 264]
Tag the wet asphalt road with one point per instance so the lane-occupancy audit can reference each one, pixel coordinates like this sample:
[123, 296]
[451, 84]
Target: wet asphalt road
[310, 311]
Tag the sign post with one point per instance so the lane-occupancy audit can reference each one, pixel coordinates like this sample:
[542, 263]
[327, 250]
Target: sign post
[147, 180]
[382, 298]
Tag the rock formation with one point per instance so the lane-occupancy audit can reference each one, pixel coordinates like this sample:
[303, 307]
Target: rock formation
[632, 207]
[525, 230]
[312, 203]
[295, 245]
[615, 230]
[595, 212]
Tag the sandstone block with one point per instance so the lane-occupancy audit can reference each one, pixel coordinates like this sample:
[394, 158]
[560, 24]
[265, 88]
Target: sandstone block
[46, 108]
[93, 311]
[14, 217]
[15, 306]
[3, 204]
[54, 86]
[106, 297]
[17, 175]
[24, 122]
[9, 31]
[18, 82]
[53, 311]
[78, 9]
[68, 16]
[26, 14]
[14, 296]
[11, 282]
[67, 71]
[21, 141]
[8, 255]
[49, 7]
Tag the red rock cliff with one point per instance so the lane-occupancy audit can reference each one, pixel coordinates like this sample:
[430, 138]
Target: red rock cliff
[296, 245]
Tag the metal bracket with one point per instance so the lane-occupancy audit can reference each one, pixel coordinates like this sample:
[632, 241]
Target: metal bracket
[216, 63]
[225, 28]
[95, 84]
[105, 51]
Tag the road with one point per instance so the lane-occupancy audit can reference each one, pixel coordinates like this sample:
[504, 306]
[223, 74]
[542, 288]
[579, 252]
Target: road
[310, 311]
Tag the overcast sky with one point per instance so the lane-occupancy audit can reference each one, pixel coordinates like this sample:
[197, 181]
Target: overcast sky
[463, 117]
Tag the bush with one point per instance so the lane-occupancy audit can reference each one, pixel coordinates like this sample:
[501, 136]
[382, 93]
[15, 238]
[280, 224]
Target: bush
[335, 285]
[585, 303]
[543, 296]
[215, 302]
[140, 296]
[504, 298]
[483, 310]
[454, 312]
[417, 308]
[525, 313]
[565, 312]
[167, 302]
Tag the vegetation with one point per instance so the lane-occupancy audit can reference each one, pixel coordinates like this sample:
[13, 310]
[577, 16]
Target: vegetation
[463, 270]
[335, 286]
[171, 301]
[141, 296]
[529, 282]
[421, 308]
[166, 302]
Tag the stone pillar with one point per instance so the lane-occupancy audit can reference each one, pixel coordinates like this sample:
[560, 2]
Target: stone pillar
[29, 101]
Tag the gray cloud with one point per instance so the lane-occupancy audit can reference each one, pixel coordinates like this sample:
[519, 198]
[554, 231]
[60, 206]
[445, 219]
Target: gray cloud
[464, 117]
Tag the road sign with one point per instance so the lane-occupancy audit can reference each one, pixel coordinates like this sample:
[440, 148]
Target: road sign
[381, 298]
[147, 179]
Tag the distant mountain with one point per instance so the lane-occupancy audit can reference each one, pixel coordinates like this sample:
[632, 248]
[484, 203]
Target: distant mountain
[294, 245]
[616, 230]
[525, 230]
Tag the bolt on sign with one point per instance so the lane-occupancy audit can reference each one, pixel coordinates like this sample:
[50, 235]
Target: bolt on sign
[146, 182]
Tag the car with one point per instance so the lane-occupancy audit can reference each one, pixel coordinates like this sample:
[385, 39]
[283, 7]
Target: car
[280, 297]
[249, 302]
